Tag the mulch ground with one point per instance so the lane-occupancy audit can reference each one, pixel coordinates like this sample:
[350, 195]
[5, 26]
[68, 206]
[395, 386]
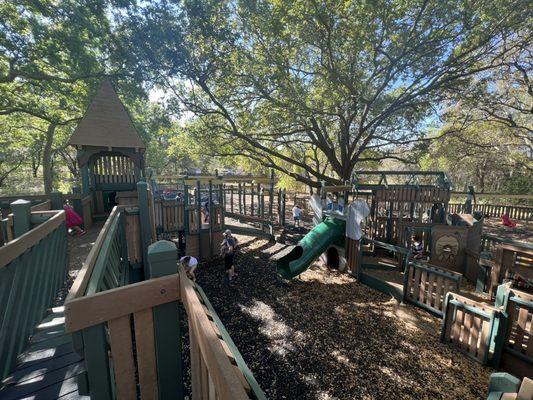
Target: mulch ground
[324, 336]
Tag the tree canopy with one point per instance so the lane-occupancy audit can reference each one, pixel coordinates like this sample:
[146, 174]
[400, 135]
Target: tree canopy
[310, 89]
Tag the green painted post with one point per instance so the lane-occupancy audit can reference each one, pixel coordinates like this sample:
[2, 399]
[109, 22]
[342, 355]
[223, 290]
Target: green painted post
[21, 217]
[240, 198]
[211, 219]
[97, 362]
[185, 209]
[279, 206]
[162, 257]
[76, 203]
[283, 204]
[84, 170]
[144, 219]
[56, 198]
[199, 211]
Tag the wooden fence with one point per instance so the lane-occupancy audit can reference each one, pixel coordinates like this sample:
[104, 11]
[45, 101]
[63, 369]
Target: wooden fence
[517, 349]
[126, 335]
[469, 326]
[522, 213]
[426, 286]
[32, 269]
[515, 262]
[169, 215]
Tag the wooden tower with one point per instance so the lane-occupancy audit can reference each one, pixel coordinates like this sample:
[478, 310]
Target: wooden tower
[110, 150]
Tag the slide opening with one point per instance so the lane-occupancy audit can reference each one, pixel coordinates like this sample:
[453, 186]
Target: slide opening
[332, 258]
[294, 254]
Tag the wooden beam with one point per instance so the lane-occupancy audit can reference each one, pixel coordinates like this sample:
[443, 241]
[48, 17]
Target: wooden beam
[16, 247]
[87, 311]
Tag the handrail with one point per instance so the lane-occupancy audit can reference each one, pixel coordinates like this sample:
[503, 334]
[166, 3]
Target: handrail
[84, 275]
[17, 246]
[401, 250]
[248, 375]
[32, 269]
[215, 355]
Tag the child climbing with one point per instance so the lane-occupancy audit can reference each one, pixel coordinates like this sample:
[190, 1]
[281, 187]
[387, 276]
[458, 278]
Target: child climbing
[296, 214]
[417, 247]
[228, 249]
[189, 264]
[508, 221]
[73, 220]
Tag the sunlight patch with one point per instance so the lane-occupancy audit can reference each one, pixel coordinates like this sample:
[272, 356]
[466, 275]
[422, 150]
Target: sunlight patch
[280, 334]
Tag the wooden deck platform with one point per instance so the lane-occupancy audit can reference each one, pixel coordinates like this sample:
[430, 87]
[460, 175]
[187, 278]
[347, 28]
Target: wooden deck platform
[47, 369]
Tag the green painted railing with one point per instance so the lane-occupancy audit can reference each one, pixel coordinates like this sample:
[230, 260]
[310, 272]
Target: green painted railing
[32, 268]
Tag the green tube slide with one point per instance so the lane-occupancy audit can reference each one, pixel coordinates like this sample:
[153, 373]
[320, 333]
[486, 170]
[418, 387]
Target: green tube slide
[330, 231]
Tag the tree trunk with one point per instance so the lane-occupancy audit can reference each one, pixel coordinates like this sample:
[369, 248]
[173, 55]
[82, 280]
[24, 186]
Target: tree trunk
[47, 158]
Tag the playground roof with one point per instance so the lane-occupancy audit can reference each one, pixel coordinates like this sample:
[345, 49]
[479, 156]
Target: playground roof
[106, 122]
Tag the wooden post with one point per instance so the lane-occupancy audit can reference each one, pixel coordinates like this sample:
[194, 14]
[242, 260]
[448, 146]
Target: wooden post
[240, 198]
[162, 257]
[252, 199]
[271, 195]
[262, 203]
[231, 198]
[199, 211]
[144, 219]
[21, 217]
[279, 206]
[210, 218]
[76, 203]
[244, 198]
[283, 203]
[56, 200]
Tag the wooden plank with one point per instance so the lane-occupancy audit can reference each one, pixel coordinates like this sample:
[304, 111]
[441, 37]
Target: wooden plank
[476, 325]
[484, 341]
[226, 382]
[87, 311]
[29, 387]
[457, 326]
[84, 274]
[520, 330]
[430, 290]
[416, 284]
[439, 295]
[144, 340]
[422, 292]
[122, 355]
[465, 331]
[18, 246]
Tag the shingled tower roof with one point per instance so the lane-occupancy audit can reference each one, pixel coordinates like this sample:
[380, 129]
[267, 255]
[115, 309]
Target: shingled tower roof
[106, 123]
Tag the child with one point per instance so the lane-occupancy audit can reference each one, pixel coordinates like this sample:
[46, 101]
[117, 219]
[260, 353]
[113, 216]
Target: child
[73, 220]
[417, 247]
[189, 264]
[296, 214]
[228, 248]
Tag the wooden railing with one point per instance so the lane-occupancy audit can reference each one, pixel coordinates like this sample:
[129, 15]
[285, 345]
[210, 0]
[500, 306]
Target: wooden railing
[32, 269]
[87, 211]
[517, 351]
[512, 261]
[523, 213]
[169, 215]
[469, 326]
[426, 286]
[106, 266]
[132, 345]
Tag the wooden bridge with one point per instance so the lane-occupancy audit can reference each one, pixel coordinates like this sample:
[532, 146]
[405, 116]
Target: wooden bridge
[125, 323]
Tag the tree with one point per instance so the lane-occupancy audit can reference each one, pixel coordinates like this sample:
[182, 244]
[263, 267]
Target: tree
[51, 55]
[316, 88]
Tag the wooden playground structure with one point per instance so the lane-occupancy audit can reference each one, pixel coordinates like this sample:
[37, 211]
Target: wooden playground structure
[455, 255]
[120, 326]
